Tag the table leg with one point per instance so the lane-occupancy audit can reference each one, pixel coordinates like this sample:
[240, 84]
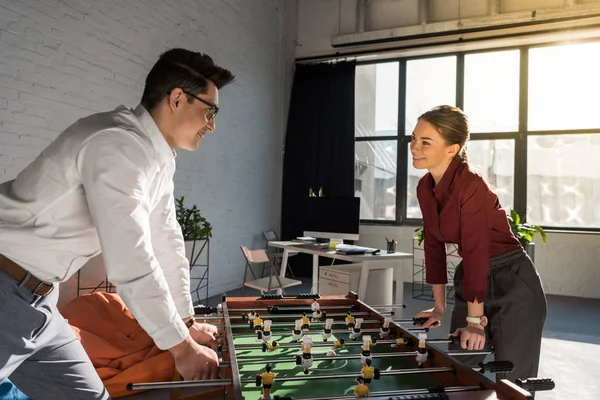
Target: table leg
[315, 275]
[283, 267]
[399, 278]
[362, 286]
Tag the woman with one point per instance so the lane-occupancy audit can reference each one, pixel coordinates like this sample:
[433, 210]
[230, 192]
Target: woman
[499, 295]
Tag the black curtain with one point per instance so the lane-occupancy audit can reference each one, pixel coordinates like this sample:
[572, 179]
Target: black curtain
[319, 143]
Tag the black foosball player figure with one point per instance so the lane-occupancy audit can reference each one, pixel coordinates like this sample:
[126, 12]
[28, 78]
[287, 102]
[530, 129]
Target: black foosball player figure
[349, 320]
[297, 332]
[368, 372]
[356, 329]
[266, 379]
[361, 390]
[270, 346]
[265, 335]
[422, 351]
[366, 349]
[385, 328]
[305, 322]
[315, 307]
[306, 359]
[326, 332]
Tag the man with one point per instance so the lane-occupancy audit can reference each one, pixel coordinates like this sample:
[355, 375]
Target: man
[106, 185]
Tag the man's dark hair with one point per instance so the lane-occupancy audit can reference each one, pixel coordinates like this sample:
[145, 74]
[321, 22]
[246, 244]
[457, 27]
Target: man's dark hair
[180, 68]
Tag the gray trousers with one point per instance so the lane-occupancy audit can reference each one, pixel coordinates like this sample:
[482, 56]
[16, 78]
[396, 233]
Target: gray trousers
[515, 306]
[39, 351]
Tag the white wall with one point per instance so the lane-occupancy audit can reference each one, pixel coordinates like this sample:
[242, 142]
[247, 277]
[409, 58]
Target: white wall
[63, 59]
[569, 264]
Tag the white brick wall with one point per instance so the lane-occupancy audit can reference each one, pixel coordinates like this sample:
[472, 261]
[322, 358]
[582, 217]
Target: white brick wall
[64, 59]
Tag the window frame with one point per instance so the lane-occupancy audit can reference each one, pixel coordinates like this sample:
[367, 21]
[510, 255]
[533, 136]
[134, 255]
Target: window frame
[520, 136]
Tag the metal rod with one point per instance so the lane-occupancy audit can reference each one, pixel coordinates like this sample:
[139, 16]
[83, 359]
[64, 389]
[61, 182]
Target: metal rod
[390, 393]
[276, 316]
[469, 352]
[348, 357]
[333, 332]
[179, 384]
[407, 371]
[285, 308]
[387, 306]
[319, 323]
[328, 344]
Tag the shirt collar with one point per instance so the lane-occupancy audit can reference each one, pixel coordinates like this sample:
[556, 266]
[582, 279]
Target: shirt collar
[447, 179]
[162, 148]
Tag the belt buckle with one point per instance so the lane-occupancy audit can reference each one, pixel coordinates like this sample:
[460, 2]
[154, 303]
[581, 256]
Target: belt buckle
[35, 291]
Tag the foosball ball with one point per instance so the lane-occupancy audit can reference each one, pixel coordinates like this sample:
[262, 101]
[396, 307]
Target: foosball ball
[308, 347]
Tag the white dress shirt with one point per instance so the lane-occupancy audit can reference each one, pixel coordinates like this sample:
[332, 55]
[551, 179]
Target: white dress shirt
[105, 185]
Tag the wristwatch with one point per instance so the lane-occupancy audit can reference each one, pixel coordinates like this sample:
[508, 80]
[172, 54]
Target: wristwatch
[190, 322]
[483, 321]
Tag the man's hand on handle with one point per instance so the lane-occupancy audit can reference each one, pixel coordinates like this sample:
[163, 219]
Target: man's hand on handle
[194, 361]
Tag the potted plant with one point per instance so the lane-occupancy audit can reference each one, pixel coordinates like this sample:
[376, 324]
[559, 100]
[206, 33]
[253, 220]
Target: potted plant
[525, 233]
[196, 231]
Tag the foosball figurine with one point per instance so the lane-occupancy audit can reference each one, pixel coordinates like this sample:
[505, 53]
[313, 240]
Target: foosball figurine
[297, 332]
[369, 372]
[305, 322]
[265, 334]
[266, 346]
[305, 360]
[349, 320]
[338, 344]
[366, 349]
[356, 329]
[385, 328]
[251, 316]
[266, 379]
[315, 307]
[257, 323]
[422, 352]
[361, 390]
[326, 333]
[401, 341]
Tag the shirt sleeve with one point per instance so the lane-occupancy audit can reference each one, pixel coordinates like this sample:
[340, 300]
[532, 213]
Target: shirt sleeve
[113, 167]
[169, 249]
[475, 237]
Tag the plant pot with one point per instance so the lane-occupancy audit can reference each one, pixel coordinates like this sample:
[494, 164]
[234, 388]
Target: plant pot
[530, 250]
[197, 252]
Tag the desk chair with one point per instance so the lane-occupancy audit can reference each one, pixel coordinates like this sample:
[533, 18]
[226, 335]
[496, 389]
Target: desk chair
[276, 254]
[264, 284]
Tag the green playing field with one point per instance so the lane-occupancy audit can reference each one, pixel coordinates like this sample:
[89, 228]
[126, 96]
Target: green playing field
[320, 387]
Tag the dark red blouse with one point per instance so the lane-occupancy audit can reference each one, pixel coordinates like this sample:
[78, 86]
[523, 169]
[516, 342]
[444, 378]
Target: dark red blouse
[462, 209]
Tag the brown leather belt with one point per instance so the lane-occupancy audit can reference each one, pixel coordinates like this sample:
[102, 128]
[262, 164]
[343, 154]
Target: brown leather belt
[13, 269]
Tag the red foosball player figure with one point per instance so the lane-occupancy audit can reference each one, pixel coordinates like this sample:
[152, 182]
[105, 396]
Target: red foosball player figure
[422, 351]
[368, 372]
[297, 332]
[356, 329]
[326, 333]
[305, 322]
[349, 320]
[361, 390]
[306, 359]
[366, 349]
[385, 328]
[266, 379]
[270, 346]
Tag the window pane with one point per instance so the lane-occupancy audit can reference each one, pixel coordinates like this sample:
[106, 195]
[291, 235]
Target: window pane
[375, 179]
[563, 87]
[563, 180]
[376, 100]
[430, 82]
[492, 91]
[493, 159]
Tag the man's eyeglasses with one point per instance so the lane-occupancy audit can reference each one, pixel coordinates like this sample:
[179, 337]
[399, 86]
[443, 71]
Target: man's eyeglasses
[213, 109]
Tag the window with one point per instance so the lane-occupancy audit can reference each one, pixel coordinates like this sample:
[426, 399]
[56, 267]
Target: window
[535, 130]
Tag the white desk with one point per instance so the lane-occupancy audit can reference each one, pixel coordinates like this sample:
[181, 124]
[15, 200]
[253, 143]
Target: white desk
[368, 262]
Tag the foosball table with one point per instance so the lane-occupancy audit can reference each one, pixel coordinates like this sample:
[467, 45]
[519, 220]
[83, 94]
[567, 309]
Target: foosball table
[309, 347]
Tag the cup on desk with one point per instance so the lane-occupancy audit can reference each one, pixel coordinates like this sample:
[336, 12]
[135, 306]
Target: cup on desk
[391, 246]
